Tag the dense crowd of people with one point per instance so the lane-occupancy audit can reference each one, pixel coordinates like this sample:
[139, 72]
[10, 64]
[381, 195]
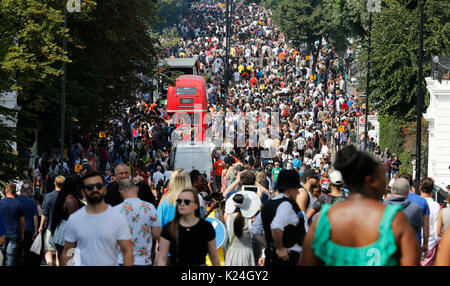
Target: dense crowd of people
[119, 201]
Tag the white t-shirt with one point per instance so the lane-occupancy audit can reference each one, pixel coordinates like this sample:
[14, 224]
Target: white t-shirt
[167, 175]
[157, 176]
[391, 183]
[97, 236]
[285, 215]
[317, 159]
[434, 214]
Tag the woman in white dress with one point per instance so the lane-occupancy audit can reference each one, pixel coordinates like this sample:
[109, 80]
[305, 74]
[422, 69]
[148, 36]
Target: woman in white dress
[239, 210]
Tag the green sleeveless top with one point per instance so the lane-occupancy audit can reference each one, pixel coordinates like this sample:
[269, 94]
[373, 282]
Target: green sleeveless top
[379, 253]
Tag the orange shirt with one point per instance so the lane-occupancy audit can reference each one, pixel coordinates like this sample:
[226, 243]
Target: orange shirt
[219, 165]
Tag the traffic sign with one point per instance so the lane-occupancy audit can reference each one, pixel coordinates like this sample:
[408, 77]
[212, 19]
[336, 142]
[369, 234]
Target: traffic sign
[341, 128]
[221, 231]
[362, 120]
[308, 58]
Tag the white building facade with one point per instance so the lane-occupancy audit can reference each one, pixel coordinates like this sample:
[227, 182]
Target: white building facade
[438, 118]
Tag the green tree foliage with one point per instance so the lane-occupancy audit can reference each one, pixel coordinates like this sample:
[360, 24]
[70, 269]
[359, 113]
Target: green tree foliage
[170, 11]
[8, 160]
[111, 48]
[395, 51]
[301, 21]
[399, 136]
[170, 38]
[109, 51]
[306, 21]
[342, 20]
[29, 50]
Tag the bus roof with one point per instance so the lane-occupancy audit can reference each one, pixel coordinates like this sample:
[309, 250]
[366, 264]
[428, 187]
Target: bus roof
[191, 77]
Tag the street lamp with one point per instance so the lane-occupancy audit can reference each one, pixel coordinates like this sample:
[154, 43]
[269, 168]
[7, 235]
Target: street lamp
[371, 8]
[419, 105]
[63, 97]
[229, 4]
[71, 6]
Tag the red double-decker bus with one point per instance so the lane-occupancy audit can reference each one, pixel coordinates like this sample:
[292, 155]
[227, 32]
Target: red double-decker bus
[188, 101]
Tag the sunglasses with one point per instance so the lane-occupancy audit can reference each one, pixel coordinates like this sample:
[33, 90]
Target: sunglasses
[186, 202]
[90, 187]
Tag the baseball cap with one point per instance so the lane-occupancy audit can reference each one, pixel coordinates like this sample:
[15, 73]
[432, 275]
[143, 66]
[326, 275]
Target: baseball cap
[310, 173]
[336, 178]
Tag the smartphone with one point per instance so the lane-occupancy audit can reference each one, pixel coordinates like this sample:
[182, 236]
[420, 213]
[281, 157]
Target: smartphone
[250, 188]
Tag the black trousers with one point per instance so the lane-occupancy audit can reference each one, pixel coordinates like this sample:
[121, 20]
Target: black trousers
[29, 258]
[273, 260]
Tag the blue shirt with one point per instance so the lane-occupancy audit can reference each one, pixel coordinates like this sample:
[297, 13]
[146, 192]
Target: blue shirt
[30, 210]
[349, 103]
[2, 226]
[422, 203]
[296, 163]
[166, 212]
[11, 210]
[48, 206]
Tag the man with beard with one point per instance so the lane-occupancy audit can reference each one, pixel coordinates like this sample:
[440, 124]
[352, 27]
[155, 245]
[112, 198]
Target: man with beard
[122, 172]
[96, 231]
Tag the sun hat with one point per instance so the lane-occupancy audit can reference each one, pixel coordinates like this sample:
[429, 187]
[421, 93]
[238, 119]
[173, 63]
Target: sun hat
[249, 207]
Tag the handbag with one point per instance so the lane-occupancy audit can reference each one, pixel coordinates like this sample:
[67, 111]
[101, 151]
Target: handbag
[36, 247]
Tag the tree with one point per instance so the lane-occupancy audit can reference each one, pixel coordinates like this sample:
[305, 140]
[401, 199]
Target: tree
[307, 21]
[395, 50]
[170, 11]
[110, 45]
[29, 53]
[342, 20]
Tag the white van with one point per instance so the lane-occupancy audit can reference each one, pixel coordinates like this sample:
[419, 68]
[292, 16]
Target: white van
[190, 156]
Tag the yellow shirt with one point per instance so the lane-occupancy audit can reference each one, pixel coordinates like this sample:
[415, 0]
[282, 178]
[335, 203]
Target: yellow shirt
[232, 52]
[241, 68]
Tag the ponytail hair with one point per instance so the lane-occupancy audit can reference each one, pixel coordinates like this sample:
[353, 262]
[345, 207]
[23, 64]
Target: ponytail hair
[239, 221]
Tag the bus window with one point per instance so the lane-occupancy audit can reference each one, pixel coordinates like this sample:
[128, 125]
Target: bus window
[186, 91]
